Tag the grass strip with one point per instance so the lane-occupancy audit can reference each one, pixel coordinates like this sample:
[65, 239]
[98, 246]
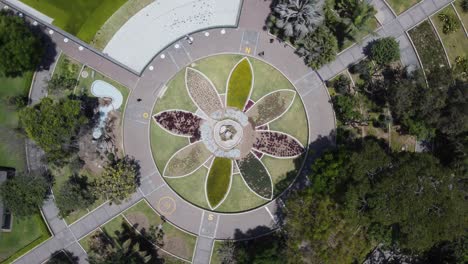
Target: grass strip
[82, 18]
[456, 43]
[429, 48]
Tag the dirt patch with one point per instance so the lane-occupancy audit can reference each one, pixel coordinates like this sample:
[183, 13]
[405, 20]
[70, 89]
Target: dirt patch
[177, 246]
[139, 219]
[94, 152]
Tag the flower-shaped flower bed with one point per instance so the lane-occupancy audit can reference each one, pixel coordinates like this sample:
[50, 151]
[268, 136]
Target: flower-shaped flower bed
[229, 134]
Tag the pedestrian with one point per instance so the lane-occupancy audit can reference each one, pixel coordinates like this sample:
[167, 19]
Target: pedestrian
[139, 100]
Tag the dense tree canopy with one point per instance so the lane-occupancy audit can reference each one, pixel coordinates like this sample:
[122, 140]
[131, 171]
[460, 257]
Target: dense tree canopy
[361, 195]
[53, 125]
[24, 194]
[384, 51]
[20, 49]
[118, 181]
[73, 195]
[297, 18]
[318, 48]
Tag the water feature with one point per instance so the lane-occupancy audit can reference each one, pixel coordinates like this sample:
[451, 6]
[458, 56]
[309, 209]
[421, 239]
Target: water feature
[104, 90]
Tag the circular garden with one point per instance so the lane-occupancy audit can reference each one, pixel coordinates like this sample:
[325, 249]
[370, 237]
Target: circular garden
[229, 133]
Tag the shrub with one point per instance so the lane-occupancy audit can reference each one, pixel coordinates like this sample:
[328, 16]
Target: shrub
[384, 51]
[345, 108]
[451, 23]
[73, 195]
[318, 48]
[342, 84]
[61, 82]
[20, 49]
[464, 5]
[54, 125]
[118, 181]
[23, 194]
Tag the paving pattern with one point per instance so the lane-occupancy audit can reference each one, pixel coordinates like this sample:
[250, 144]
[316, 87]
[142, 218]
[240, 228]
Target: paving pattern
[248, 39]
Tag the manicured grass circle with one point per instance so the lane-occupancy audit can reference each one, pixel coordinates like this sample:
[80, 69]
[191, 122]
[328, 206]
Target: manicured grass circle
[218, 180]
[266, 80]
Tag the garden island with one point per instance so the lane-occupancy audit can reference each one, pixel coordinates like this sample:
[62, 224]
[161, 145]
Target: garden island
[240, 131]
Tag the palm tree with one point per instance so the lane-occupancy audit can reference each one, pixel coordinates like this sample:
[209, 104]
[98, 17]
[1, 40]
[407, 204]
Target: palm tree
[297, 18]
[356, 15]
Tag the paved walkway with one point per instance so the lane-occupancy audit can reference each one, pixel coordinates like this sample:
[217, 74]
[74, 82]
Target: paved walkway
[248, 39]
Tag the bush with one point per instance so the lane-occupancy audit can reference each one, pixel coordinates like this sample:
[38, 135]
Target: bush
[342, 84]
[345, 108]
[61, 82]
[451, 23]
[53, 125]
[23, 194]
[318, 48]
[464, 5]
[73, 195]
[20, 49]
[118, 181]
[384, 51]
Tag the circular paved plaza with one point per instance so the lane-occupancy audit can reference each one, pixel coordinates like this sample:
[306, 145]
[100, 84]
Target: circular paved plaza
[179, 190]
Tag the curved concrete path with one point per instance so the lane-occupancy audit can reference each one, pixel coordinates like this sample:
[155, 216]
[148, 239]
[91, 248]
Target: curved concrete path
[247, 39]
[137, 122]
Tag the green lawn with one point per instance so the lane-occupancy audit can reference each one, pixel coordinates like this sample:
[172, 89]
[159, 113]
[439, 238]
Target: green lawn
[12, 152]
[399, 6]
[463, 15]
[240, 198]
[26, 234]
[82, 18]
[116, 21]
[455, 43]
[191, 188]
[429, 48]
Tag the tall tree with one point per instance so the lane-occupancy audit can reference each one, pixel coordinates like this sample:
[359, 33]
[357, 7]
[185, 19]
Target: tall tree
[297, 18]
[421, 200]
[73, 195]
[355, 15]
[20, 49]
[23, 194]
[53, 125]
[119, 180]
[318, 48]
[105, 251]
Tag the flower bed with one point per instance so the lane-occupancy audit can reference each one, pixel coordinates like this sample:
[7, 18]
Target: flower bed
[277, 144]
[219, 179]
[240, 85]
[256, 176]
[187, 160]
[271, 107]
[180, 123]
[202, 91]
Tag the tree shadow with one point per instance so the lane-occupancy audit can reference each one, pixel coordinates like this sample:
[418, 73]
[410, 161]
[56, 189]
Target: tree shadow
[63, 257]
[142, 239]
[50, 48]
